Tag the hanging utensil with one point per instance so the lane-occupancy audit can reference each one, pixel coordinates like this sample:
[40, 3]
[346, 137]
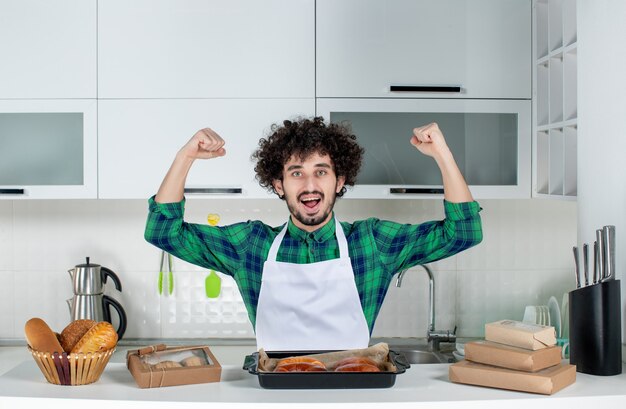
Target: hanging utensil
[160, 279]
[170, 275]
[212, 285]
[213, 282]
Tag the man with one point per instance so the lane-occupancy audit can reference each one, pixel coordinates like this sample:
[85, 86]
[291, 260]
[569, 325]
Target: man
[313, 283]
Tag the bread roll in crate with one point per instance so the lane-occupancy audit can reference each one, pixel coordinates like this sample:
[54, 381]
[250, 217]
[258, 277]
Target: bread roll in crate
[76, 356]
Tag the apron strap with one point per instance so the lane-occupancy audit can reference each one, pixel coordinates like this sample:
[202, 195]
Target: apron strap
[276, 244]
[341, 241]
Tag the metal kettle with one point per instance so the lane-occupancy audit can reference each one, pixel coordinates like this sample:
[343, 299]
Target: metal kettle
[89, 301]
[97, 307]
[90, 278]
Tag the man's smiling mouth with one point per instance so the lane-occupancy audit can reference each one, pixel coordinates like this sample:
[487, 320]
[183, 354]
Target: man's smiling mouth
[310, 201]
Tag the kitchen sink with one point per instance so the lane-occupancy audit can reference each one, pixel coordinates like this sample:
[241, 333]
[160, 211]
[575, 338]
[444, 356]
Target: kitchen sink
[421, 355]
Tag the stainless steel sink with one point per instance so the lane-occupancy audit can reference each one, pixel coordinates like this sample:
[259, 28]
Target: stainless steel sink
[419, 355]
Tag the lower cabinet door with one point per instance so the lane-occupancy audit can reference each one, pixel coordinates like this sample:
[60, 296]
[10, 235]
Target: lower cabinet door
[138, 140]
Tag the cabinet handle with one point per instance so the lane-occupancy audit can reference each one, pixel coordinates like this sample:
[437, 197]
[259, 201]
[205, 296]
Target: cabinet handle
[212, 190]
[424, 88]
[417, 190]
[12, 191]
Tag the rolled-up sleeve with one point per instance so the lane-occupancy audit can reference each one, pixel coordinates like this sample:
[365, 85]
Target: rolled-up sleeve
[405, 245]
[212, 247]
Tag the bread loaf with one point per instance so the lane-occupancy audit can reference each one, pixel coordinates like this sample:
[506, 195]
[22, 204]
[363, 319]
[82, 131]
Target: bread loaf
[193, 361]
[100, 337]
[167, 364]
[357, 364]
[73, 332]
[300, 367]
[299, 364]
[357, 368]
[40, 337]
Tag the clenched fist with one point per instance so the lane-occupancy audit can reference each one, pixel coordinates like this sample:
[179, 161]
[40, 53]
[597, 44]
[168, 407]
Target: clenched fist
[205, 144]
[429, 140]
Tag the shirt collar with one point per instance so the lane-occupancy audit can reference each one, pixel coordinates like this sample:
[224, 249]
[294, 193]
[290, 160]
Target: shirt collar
[320, 235]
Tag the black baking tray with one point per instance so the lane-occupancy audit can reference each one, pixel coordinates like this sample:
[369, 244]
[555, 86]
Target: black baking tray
[324, 380]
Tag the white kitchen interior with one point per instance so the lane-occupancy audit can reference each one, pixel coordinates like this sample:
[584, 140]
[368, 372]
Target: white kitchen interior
[144, 84]
[145, 109]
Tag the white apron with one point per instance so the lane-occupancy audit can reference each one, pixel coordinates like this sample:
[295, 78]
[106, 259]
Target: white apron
[311, 306]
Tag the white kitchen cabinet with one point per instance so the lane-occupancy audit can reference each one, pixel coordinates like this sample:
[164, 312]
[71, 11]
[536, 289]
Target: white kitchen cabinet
[490, 140]
[49, 149]
[206, 49]
[138, 140]
[555, 119]
[364, 47]
[48, 49]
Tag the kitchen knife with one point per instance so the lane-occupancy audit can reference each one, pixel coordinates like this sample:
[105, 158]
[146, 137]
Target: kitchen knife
[608, 233]
[601, 254]
[577, 266]
[586, 262]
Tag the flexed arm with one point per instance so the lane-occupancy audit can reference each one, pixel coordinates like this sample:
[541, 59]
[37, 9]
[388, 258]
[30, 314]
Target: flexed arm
[205, 144]
[429, 140]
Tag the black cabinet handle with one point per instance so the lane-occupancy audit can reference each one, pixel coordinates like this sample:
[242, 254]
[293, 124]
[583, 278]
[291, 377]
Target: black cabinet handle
[424, 88]
[417, 190]
[212, 190]
[11, 191]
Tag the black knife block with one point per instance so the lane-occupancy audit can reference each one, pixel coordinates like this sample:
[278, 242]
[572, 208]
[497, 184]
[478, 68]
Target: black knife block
[595, 329]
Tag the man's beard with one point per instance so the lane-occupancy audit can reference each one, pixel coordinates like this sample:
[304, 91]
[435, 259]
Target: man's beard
[310, 220]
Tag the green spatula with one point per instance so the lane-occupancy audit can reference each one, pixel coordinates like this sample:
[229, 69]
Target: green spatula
[213, 285]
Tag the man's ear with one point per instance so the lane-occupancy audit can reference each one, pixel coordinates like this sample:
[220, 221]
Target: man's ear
[341, 180]
[278, 187]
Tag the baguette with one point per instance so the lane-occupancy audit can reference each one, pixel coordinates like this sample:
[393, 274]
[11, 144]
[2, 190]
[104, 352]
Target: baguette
[40, 337]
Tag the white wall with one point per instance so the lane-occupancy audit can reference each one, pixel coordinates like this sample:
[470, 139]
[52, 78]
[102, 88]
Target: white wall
[602, 125]
[524, 259]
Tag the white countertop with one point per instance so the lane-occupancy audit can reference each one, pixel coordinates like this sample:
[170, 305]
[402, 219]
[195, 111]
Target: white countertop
[423, 386]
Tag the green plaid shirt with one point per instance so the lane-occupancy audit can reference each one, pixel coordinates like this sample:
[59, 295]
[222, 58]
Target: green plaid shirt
[378, 248]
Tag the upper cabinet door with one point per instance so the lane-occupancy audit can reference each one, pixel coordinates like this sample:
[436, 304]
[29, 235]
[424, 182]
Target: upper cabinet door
[48, 49]
[138, 140]
[472, 48]
[206, 49]
[48, 149]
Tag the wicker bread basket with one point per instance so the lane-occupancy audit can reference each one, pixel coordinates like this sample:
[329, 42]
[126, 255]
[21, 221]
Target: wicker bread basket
[72, 369]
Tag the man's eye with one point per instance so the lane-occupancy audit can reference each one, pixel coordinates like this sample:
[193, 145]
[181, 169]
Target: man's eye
[321, 172]
[296, 174]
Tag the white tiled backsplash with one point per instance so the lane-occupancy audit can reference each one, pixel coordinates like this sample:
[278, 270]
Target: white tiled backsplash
[525, 258]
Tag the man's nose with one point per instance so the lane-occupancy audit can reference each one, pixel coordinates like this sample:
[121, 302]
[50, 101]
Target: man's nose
[310, 183]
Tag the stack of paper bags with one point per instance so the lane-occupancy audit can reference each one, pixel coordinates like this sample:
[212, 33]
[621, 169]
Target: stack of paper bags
[516, 356]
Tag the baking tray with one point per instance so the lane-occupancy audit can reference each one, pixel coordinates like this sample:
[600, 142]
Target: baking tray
[324, 380]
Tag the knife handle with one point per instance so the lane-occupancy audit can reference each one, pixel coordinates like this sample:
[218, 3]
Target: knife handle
[601, 254]
[586, 262]
[608, 233]
[577, 266]
[596, 265]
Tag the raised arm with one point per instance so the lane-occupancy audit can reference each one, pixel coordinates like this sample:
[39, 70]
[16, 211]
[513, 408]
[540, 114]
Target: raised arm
[205, 144]
[429, 140]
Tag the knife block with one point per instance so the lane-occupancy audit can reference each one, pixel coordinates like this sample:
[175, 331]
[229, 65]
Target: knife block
[595, 329]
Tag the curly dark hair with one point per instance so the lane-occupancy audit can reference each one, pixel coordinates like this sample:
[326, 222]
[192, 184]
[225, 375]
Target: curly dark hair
[304, 137]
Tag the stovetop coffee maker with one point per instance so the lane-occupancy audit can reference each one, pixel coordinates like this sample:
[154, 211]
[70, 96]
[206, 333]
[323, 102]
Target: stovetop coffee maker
[89, 301]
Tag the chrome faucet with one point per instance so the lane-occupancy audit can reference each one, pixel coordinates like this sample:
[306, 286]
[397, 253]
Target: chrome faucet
[433, 337]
